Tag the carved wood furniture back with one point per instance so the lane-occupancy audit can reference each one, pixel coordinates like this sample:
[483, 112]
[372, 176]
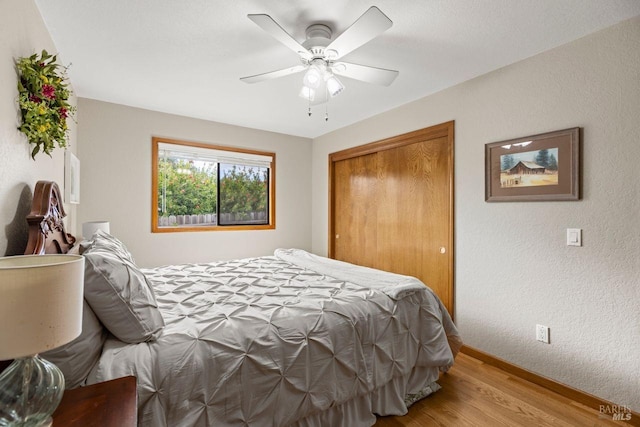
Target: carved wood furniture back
[47, 234]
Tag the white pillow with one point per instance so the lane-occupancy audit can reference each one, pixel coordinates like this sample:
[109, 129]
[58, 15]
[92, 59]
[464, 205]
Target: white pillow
[107, 242]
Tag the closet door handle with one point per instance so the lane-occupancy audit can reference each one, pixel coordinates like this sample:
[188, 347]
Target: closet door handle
[443, 250]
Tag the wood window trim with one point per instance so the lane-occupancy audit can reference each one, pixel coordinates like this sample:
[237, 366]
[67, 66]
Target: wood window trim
[154, 188]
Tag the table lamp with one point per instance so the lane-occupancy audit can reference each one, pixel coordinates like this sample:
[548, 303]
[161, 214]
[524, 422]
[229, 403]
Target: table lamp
[40, 309]
[90, 228]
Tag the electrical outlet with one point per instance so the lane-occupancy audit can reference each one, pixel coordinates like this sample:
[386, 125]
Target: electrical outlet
[542, 334]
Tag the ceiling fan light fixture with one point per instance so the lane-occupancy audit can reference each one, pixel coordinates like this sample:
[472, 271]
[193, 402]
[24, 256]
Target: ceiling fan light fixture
[334, 86]
[307, 93]
[312, 78]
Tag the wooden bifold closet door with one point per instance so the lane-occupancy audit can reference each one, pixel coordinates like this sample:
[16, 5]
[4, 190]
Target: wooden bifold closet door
[391, 206]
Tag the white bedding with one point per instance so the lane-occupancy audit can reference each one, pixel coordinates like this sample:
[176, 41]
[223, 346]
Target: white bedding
[290, 339]
[394, 285]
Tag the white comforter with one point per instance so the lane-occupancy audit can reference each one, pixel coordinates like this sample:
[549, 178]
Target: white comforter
[280, 340]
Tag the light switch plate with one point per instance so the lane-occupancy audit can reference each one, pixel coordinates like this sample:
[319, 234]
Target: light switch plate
[574, 237]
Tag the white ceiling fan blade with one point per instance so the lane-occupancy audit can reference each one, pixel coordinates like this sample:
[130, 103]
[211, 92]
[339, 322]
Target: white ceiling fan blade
[378, 76]
[276, 31]
[273, 74]
[371, 24]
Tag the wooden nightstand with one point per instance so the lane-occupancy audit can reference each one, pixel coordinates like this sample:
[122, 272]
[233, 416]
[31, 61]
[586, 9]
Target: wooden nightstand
[109, 404]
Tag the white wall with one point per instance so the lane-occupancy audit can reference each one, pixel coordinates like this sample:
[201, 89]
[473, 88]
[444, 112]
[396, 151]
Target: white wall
[513, 269]
[116, 184]
[22, 33]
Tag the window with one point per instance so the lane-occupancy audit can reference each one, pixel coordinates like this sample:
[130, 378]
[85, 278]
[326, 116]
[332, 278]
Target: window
[198, 187]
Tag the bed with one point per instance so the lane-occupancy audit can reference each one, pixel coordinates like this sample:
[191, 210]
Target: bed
[285, 339]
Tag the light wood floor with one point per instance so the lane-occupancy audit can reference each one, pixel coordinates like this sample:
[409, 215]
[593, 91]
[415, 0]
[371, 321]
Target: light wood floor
[476, 394]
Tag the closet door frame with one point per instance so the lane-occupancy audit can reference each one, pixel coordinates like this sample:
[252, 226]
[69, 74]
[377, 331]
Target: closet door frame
[444, 130]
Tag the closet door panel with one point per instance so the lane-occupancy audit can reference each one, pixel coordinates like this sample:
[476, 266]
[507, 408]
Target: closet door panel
[355, 199]
[413, 212]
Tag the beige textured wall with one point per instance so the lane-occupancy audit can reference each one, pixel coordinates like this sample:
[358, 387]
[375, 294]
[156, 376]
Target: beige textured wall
[513, 269]
[116, 184]
[22, 33]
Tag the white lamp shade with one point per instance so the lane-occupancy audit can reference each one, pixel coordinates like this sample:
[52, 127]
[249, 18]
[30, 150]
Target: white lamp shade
[312, 78]
[90, 228]
[307, 93]
[334, 86]
[40, 303]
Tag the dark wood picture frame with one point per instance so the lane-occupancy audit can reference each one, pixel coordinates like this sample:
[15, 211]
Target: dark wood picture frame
[534, 168]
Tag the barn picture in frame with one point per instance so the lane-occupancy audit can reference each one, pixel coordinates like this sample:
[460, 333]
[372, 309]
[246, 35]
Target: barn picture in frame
[534, 168]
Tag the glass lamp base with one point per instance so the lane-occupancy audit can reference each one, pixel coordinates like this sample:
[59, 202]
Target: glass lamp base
[30, 390]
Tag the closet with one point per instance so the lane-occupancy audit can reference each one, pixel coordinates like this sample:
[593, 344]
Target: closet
[391, 206]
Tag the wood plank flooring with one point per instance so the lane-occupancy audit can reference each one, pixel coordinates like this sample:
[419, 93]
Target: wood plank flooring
[476, 394]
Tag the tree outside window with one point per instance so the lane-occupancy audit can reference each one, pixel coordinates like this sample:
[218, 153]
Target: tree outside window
[201, 187]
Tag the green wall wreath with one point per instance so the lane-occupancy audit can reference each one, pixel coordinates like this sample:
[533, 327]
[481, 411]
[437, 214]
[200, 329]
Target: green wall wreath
[43, 95]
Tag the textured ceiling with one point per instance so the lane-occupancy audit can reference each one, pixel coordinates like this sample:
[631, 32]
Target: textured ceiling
[186, 57]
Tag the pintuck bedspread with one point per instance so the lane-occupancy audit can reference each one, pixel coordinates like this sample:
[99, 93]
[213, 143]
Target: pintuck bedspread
[289, 339]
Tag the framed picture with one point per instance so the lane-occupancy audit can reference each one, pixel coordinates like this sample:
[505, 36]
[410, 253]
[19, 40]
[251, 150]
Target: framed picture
[71, 178]
[534, 168]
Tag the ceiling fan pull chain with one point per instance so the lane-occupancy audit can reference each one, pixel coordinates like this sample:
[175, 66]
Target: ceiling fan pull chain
[326, 107]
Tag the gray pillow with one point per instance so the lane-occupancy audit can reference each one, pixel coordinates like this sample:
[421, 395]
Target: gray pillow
[77, 358]
[118, 292]
[106, 241]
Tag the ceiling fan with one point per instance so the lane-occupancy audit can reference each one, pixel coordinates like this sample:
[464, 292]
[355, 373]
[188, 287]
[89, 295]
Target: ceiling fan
[320, 55]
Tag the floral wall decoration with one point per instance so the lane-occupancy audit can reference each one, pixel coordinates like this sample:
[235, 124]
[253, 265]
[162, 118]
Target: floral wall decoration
[43, 95]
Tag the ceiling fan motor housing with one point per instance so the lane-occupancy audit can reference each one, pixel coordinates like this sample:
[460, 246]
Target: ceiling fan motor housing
[318, 38]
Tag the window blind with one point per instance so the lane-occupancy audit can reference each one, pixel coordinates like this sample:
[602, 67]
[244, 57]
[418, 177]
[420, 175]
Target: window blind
[187, 152]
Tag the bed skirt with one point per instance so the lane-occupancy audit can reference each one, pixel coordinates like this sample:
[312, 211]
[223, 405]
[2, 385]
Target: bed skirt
[394, 398]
